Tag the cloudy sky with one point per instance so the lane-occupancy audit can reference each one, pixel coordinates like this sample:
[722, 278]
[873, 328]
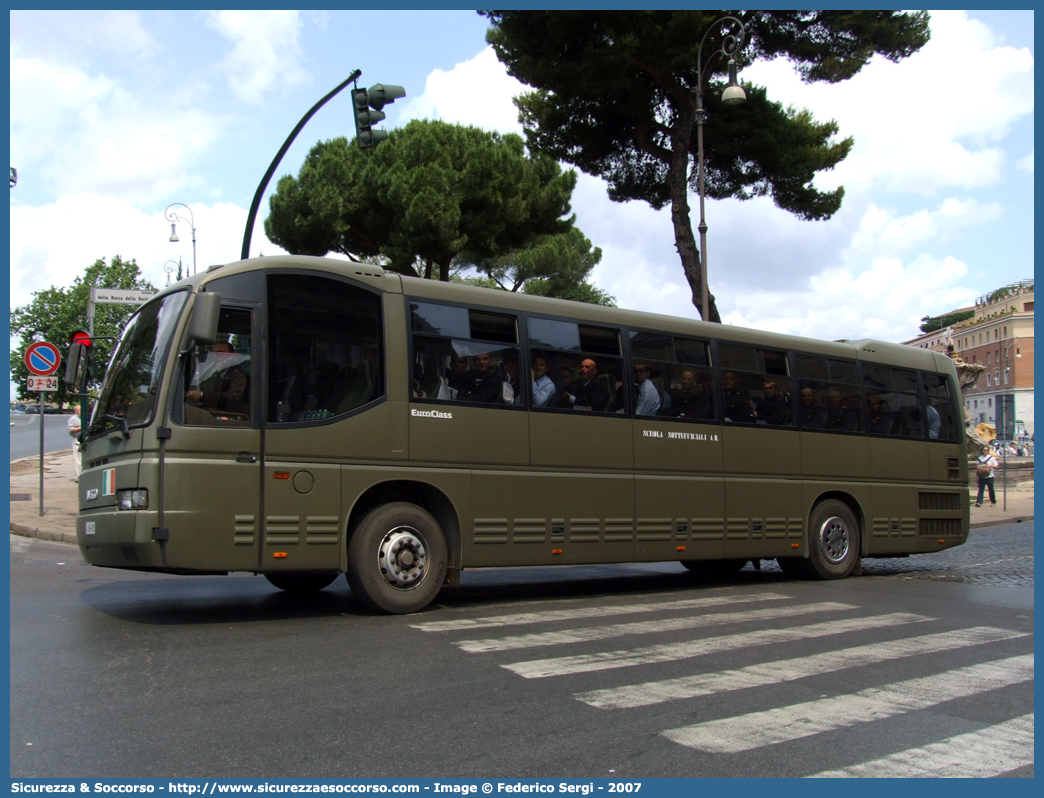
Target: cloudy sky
[117, 114]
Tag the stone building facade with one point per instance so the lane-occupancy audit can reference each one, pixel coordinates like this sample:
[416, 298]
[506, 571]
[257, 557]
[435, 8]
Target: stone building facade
[1000, 337]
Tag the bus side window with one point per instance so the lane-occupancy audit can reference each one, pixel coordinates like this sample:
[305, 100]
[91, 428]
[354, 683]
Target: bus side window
[939, 408]
[324, 348]
[219, 386]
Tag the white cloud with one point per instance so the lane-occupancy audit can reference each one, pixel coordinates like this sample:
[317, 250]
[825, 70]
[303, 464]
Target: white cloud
[884, 300]
[927, 123]
[476, 92]
[71, 35]
[53, 244]
[882, 231]
[1026, 164]
[92, 135]
[266, 51]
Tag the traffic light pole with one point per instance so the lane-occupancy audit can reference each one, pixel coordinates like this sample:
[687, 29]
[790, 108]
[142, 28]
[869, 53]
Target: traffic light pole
[252, 214]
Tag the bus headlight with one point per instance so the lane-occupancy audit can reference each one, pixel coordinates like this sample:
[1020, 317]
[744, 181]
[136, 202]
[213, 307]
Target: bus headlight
[134, 499]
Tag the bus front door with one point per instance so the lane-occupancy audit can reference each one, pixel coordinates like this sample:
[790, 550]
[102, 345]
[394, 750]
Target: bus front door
[213, 457]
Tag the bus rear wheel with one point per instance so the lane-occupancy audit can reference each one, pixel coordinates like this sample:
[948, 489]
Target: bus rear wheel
[301, 583]
[397, 558]
[833, 540]
[715, 568]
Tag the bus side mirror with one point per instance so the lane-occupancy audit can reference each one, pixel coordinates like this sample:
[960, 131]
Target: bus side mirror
[77, 367]
[203, 323]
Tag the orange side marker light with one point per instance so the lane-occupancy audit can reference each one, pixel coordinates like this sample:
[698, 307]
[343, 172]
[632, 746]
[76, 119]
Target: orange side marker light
[556, 551]
[279, 554]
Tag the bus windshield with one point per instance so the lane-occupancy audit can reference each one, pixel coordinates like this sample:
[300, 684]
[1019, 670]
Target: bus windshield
[128, 393]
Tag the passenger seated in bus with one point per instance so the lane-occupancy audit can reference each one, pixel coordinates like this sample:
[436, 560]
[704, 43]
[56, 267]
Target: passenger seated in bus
[512, 378]
[838, 416]
[811, 414]
[566, 379]
[934, 421]
[542, 386]
[648, 403]
[693, 397]
[457, 372]
[226, 390]
[482, 383]
[773, 408]
[590, 393]
[880, 419]
[736, 401]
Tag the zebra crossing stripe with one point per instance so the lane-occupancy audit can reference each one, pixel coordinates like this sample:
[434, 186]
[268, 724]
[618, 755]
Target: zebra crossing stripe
[985, 753]
[787, 670]
[580, 613]
[588, 634]
[759, 729]
[606, 660]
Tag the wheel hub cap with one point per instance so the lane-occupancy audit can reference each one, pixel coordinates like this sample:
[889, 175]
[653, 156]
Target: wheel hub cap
[833, 538]
[402, 557]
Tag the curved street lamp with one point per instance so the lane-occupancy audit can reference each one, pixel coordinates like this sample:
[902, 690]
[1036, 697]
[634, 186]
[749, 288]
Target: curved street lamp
[173, 218]
[169, 268]
[733, 95]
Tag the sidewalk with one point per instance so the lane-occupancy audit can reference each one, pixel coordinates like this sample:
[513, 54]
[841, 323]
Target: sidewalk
[61, 502]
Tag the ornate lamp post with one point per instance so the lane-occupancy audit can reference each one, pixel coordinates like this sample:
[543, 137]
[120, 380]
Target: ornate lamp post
[170, 267]
[733, 95]
[173, 218]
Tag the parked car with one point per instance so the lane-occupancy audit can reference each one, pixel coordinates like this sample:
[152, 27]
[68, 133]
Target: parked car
[48, 410]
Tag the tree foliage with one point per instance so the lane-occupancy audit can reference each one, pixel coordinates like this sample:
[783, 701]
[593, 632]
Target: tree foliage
[429, 194]
[55, 313]
[556, 265]
[615, 94]
[933, 323]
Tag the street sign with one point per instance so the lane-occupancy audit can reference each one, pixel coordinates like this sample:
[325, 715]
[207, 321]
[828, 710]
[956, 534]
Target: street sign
[42, 383]
[42, 358]
[120, 296]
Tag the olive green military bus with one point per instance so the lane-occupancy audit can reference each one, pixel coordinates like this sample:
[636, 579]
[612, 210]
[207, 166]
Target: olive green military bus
[304, 417]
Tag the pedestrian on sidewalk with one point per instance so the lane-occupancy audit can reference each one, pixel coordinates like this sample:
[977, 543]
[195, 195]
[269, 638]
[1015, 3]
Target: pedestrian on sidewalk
[74, 426]
[984, 470]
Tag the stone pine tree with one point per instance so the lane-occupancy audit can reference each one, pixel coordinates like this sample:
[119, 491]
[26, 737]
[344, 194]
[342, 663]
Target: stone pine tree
[55, 313]
[557, 266]
[614, 94]
[431, 197]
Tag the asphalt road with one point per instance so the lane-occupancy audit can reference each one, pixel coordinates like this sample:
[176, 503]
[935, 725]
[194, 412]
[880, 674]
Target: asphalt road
[923, 666]
[25, 434]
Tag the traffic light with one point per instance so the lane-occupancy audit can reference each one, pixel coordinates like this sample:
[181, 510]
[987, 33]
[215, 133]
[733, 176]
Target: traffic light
[80, 337]
[376, 97]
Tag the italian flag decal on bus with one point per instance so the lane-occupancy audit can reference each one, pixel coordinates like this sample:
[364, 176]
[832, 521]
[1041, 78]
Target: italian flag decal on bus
[109, 482]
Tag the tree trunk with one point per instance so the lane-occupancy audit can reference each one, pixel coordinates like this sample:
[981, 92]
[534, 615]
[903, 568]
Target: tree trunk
[684, 239]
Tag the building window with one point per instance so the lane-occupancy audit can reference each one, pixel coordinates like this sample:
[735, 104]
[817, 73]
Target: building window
[988, 381]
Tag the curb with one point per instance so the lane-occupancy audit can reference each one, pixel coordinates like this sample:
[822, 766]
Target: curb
[42, 534]
[1017, 519]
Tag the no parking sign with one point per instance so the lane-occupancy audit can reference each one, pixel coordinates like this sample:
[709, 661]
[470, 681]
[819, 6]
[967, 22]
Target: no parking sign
[42, 358]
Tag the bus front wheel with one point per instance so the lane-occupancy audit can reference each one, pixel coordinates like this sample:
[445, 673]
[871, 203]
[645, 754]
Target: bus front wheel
[834, 540]
[397, 558]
